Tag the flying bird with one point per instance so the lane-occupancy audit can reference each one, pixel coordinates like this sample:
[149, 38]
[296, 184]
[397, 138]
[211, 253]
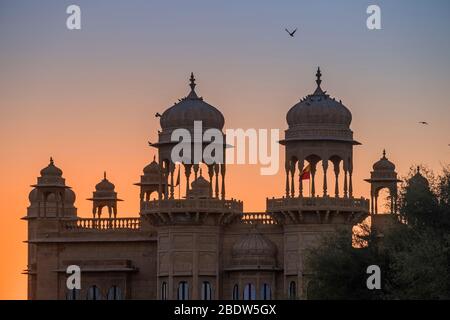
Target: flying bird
[423, 122]
[157, 115]
[291, 33]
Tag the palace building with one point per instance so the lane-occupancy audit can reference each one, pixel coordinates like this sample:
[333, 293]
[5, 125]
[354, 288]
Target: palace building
[202, 245]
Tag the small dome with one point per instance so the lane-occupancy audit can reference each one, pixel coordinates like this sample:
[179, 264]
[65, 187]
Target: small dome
[51, 170]
[104, 185]
[384, 164]
[200, 183]
[319, 109]
[152, 168]
[254, 245]
[33, 195]
[418, 179]
[189, 109]
[69, 196]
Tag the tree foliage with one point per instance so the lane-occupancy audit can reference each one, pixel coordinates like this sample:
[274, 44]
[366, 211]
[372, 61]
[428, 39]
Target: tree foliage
[413, 254]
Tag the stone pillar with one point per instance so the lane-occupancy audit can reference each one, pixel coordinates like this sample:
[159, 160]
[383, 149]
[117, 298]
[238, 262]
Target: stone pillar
[301, 163]
[313, 183]
[345, 184]
[222, 171]
[172, 171]
[350, 187]
[210, 174]
[187, 172]
[292, 179]
[336, 174]
[286, 167]
[216, 172]
[325, 168]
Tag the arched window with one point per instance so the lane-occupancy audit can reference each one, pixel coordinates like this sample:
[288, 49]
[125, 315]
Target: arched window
[183, 291]
[164, 290]
[236, 292]
[292, 290]
[206, 291]
[114, 293]
[266, 292]
[94, 293]
[249, 292]
[73, 294]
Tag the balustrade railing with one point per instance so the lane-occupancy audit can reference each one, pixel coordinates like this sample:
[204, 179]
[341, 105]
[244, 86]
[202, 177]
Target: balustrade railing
[318, 203]
[257, 218]
[103, 224]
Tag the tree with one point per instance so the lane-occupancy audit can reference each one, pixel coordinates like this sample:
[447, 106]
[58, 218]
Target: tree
[413, 255]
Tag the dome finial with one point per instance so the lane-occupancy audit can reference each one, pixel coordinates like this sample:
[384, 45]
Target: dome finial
[384, 153]
[192, 81]
[104, 175]
[51, 160]
[154, 158]
[192, 84]
[318, 76]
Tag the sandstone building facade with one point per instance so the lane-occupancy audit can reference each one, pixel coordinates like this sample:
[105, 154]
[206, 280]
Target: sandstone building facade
[202, 245]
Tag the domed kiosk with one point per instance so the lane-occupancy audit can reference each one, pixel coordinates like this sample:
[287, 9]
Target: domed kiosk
[193, 116]
[383, 176]
[318, 132]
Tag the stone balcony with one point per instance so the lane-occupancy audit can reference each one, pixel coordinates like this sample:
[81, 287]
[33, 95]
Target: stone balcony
[318, 209]
[192, 205]
[191, 211]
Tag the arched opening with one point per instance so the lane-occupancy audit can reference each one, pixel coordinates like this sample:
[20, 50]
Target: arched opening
[206, 291]
[292, 290]
[183, 290]
[94, 293]
[266, 292]
[164, 290]
[383, 201]
[236, 292]
[114, 293]
[249, 292]
[73, 294]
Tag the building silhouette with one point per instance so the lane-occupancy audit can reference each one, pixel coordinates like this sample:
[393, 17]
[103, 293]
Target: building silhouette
[202, 245]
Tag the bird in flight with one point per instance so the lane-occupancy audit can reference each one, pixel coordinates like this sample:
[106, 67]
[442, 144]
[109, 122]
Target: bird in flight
[157, 115]
[291, 33]
[423, 122]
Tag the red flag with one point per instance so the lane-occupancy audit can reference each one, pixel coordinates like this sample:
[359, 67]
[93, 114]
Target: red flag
[306, 173]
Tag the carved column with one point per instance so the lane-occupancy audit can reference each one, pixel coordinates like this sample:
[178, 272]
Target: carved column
[292, 179]
[325, 168]
[313, 183]
[222, 171]
[345, 184]
[172, 171]
[301, 163]
[210, 174]
[187, 172]
[216, 172]
[336, 174]
[286, 167]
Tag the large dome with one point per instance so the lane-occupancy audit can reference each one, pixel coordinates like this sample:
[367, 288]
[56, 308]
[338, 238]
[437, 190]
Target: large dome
[51, 170]
[319, 109]
[189, 109]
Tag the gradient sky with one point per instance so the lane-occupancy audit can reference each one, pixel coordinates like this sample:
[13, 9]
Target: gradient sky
[88, 97]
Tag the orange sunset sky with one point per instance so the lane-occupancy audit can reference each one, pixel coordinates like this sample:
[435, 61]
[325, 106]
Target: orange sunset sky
[88, 98]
